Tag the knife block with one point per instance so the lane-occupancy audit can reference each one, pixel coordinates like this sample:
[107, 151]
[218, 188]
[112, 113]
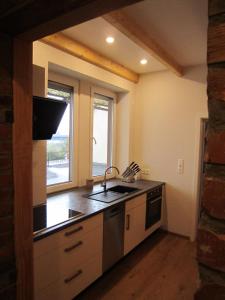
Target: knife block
[128, 179]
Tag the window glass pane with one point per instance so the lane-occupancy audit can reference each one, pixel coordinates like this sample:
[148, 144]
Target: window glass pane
[102, 134]
[59, 147]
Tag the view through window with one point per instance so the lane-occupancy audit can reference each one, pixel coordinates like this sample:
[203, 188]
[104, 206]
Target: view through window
[102, 134]
[59, 154]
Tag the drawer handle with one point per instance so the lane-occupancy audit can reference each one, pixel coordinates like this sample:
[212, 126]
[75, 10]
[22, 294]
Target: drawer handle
[68, 233]
[73, 247]
[128, 222]
[155, 200]
[78, 273]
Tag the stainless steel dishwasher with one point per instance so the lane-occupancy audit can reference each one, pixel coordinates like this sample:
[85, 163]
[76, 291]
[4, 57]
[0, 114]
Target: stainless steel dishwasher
[113, 235]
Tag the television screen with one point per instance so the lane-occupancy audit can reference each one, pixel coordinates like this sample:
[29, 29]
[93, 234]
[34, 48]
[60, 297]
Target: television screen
[47, 114]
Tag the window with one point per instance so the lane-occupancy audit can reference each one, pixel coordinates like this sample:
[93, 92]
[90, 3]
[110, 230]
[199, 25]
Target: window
[59, 148]
[102, 134]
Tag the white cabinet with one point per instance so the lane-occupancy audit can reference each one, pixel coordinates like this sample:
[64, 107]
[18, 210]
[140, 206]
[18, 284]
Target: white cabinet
[68, 261]
[66, 288]
[134, 231]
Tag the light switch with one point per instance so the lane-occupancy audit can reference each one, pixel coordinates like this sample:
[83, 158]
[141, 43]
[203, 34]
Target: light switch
[180, 166]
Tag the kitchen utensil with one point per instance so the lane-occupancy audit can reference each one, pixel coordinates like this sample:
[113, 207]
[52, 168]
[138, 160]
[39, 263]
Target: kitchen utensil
[134, 167]
[127, 169]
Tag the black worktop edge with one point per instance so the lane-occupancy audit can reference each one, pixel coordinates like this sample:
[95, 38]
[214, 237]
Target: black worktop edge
[56, 228]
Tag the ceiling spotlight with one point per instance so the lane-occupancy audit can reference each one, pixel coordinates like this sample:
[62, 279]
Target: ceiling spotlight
[143, 61]
[110, 39]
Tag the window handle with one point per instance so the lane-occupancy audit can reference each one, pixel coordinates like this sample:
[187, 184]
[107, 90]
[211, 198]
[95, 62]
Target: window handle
[94, 139]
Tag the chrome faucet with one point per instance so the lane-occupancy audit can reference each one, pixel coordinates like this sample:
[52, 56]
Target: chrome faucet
[104, 181]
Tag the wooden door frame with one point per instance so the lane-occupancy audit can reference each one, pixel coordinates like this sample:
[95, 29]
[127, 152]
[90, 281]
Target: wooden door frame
[22, 129]
[22, 166]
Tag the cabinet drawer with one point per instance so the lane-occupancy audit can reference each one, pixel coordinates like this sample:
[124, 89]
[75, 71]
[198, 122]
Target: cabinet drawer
[72, 232]
[135, 202]
[61, 261]
[76, 281]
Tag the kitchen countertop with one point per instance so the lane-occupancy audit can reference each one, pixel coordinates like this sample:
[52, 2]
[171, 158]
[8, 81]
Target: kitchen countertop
[74, 199]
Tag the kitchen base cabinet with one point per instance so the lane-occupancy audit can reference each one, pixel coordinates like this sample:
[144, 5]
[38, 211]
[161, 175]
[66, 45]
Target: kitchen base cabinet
[135, 222]
[134, 231]
[68, 235]
[62, 261]
[68, 261]
[66, 288]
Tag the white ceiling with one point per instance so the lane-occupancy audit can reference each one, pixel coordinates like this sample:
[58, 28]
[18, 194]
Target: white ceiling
[123, 50]
[179, 26]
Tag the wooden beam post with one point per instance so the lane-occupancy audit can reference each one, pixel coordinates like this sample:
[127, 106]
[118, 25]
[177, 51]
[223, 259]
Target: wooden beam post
[135, 33]
[22, 167]
[68, 45]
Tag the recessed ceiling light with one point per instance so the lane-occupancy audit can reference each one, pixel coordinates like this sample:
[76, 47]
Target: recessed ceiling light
[109, 39]
[143, 61]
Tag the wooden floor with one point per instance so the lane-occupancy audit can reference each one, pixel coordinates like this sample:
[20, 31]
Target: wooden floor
[163, 267]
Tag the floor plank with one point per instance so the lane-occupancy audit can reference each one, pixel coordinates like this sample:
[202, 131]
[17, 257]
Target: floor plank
[163, 267]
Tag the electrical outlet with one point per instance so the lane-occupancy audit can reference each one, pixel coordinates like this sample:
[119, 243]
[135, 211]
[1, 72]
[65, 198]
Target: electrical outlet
[145, 171]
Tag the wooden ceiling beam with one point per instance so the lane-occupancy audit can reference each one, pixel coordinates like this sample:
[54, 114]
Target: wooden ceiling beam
[135, 33]
[32, 20]
[70, 46]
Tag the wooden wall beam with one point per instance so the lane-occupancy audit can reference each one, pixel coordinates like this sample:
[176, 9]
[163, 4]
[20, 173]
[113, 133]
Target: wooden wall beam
[134, 32]
[22, 167]
[68, 45]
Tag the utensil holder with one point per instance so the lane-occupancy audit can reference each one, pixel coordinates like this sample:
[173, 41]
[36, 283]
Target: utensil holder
[128, 179]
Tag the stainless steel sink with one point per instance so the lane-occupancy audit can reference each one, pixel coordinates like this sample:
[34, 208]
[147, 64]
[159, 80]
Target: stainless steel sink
[112, 194]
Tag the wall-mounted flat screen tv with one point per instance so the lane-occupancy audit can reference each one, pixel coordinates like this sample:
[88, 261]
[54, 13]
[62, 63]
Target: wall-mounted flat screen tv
[47, 114]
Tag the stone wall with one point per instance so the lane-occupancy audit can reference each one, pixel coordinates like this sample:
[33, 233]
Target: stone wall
[211, 231]
[7, 256]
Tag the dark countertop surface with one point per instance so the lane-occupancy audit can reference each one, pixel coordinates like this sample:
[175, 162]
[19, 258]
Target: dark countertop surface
[61, 202]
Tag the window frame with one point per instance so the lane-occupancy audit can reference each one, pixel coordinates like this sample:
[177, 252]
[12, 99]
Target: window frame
[113, 96]
[69, 81]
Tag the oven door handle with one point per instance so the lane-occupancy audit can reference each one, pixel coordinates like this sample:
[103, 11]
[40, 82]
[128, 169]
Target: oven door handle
[155, 200]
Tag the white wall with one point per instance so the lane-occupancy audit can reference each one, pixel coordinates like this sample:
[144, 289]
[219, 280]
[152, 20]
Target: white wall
[167, 127]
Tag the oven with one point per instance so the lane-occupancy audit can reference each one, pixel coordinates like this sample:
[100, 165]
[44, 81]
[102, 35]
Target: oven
[153, 207]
